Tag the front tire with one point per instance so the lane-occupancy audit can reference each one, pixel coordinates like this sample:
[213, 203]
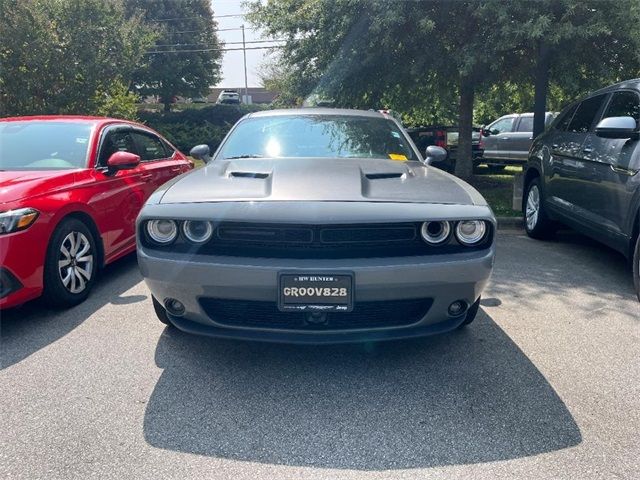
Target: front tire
[71, 264]
[636, 267]
[536, 222]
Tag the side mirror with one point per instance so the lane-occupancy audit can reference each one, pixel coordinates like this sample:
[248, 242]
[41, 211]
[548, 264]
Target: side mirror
[618, 127]
[485, 131]
[123, 161]
[201, 152]
[435, 154]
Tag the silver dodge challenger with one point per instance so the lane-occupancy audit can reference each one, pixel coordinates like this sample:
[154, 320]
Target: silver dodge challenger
[316, 226]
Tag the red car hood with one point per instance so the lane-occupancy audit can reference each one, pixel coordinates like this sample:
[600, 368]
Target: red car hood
[17, 185]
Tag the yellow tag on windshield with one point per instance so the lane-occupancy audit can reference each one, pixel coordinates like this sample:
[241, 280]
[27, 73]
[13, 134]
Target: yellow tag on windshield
[398, 156]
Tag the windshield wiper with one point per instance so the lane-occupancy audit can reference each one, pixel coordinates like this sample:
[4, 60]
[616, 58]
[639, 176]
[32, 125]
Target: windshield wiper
[244, 156]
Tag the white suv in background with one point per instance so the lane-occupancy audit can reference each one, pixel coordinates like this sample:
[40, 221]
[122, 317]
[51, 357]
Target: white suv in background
[228, 97]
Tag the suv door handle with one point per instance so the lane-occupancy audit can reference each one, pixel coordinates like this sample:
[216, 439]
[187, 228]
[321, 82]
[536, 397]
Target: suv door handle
[504, 138]
[587, 149]
[623, 171]
[146, 176]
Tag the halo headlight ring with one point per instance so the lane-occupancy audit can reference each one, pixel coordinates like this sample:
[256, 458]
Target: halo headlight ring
[162, 231]
[435, 233]
[471, 232]
[197, 231]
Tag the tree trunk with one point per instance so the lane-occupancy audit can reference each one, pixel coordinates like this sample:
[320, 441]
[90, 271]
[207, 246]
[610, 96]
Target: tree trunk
[167, 105]
[541, 87]
[464, 160]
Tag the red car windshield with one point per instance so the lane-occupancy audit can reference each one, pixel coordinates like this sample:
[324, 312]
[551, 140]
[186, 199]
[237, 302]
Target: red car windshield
[44, 145]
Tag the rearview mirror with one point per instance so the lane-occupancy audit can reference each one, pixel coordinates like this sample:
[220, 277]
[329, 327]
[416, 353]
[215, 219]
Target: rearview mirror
[201, 152]
[435, 154]
[123, 161]
[618, 127]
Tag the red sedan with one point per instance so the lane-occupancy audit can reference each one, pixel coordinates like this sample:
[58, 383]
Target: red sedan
[70, 191]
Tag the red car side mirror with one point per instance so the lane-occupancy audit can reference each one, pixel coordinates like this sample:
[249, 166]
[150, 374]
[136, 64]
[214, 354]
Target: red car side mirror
[123, 161]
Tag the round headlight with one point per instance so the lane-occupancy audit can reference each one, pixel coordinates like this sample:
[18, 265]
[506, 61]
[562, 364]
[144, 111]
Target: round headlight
[162, 231]
[471, 232]
[435, 233]
[197, 231]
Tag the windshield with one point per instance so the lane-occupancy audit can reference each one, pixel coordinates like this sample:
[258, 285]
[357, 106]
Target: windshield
[44, 145]
[330, 136]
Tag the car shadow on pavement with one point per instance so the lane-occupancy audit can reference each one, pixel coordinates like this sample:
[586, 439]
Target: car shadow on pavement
[466, 397]
[571, 270]
[33, 326]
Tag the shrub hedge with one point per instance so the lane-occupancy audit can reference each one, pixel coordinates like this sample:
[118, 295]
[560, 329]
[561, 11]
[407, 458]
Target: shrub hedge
[194, 126]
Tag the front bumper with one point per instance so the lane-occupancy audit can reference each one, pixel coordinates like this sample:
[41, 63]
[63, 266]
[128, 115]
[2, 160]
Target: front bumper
[22, 262]
[441, 278]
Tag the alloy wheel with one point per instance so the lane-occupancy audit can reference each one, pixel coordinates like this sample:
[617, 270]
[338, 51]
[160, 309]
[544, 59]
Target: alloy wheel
[75, 262]
[532, 211]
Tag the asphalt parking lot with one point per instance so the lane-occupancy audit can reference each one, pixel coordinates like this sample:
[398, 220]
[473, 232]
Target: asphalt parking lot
[545, 384]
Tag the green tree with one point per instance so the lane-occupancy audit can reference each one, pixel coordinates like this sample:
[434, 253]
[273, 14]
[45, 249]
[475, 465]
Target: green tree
[56, 56]
[407, 55]
[422, 57]
[187, 54]
[574, 45]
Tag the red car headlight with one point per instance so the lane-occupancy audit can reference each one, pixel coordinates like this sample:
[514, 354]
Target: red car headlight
[19, 219]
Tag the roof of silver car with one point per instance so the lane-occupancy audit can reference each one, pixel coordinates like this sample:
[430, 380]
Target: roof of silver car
[318, 111]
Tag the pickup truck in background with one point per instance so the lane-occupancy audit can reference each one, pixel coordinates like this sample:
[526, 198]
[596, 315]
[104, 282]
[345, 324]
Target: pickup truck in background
[508, 139]
[447, 138]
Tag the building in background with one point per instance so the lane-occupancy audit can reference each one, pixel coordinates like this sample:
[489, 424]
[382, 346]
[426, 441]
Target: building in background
[257, 95]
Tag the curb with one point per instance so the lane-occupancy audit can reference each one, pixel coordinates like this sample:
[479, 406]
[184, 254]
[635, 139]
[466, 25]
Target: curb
[510, 223]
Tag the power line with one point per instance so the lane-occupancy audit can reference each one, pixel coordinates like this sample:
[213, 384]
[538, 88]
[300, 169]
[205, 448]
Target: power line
[204, 44]
[215, 50]
[196, 18]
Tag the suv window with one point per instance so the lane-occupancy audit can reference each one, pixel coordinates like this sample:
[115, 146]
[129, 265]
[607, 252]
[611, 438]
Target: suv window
[116, 141]
[149, 146]
[502, 125]
[586, 113]
[526, 124]
[624, 104]
[564, 119]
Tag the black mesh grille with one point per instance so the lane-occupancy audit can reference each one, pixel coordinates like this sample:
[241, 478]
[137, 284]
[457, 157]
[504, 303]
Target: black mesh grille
[319, 241]
[241, 313]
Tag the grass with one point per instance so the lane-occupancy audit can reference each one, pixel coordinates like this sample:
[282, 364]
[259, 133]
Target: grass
[497, 189]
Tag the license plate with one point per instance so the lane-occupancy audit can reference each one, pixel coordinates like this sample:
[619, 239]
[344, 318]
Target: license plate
[315, 292]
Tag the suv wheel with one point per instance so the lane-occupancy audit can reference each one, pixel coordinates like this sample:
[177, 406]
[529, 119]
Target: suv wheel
[536, 222]
[636, 268]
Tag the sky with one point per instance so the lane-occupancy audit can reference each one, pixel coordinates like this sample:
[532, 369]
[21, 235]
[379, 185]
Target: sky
[232, 63]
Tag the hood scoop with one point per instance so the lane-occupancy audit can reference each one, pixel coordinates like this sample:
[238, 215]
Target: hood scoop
[384, 176]
[259, 175]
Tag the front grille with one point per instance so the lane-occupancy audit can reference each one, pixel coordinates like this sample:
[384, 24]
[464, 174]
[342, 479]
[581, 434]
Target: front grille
[319, 241]
[252, 314]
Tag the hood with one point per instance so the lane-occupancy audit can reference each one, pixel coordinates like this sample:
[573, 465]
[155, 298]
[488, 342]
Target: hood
[16, 185]
[320, 179]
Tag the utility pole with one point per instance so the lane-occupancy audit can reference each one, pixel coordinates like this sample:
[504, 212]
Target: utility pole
[244, 53]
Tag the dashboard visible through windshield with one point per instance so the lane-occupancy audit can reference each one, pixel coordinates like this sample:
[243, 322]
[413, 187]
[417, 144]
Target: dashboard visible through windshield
[317, 136]
[45, 145]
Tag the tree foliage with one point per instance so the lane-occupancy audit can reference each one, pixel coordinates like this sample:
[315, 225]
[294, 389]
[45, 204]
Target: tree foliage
[66, 56]
[425, 58]
[189, 51]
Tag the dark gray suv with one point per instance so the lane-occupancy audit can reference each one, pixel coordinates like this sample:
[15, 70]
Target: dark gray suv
[584, 171]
